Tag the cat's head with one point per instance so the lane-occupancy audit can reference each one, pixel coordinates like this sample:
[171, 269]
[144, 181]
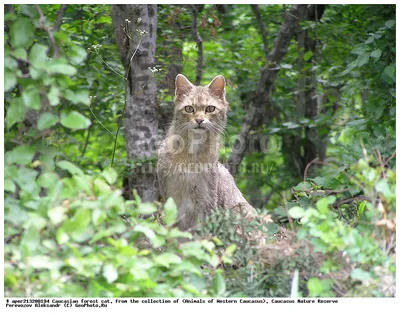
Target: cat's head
[200, 107]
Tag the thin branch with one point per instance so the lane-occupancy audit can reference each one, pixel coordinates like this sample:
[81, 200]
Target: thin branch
[390, 158]
[261, 26]
[60, 15]
[82, 30]
[315, 160]
[110, 67]
[101, 122]
[86, 142]
[287, 212]
[351, 199]
[42, 24]
[197, 38]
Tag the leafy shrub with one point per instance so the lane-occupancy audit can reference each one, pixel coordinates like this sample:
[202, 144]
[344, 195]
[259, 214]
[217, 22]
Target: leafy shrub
[65, 236]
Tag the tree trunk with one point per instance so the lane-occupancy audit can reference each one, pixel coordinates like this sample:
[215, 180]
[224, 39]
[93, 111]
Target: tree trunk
[299, 151]
[261, 107]
[135, 31]
[174, 55]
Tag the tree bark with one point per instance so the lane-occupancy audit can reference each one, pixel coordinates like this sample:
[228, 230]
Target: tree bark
[260, 107]
[261, 26]
[174, 54]
[199, 41]
[299, 151]
[60, 15]
[135, 30]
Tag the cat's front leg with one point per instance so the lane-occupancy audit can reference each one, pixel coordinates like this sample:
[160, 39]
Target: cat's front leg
[187, 215]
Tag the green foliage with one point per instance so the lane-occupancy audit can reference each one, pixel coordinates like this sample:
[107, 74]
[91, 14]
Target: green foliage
[68, 239]
[69, 232]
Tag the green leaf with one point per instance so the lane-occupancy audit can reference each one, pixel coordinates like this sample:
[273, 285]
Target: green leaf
[303, 186]
[75, 120]
[110, 273]
[389, 74]
[218, 284]
[104, 19]
[47, 120]
[308, 55]
[147, 208]
[166, 259]
[359, 50]
[31, 97]
[274, 130]
[110, 175]
[170, 211]
[35, 221]
[62, 68]
[10, 80]
[286, 66]
[57, 214]
[28, 10]
[61, 236]
[376, 54]
[30, 241]
[176, 233]
[383, 187]
[20, 155]
[321, 181]
[70, 167]
[290, 125]
[76, 97]
[361, 208]
[35, 73]
[315, 287]
[231, 249]
[26, 179]
[145, 230]
[323, 204]
[38, 56]
[357, 122]
[82, 96]
[186, 267]
[10, 64]
[76, 54]
[359, 274]
[20, 53]
[48, 179]
[208, 245]
[22, 33]
[9, 186]
[362, 59]
[296, 212]
[98, 216]
[45, 262]
[390, 23]
[77, 226]
[54, 95]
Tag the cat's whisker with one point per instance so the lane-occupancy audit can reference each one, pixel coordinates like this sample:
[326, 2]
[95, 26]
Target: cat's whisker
[219, 129]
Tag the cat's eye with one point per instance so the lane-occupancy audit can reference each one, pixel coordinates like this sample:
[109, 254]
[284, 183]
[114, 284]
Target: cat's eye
[189, 109]
[210, 108]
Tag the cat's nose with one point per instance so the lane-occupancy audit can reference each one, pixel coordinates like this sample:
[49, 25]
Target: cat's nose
[199, 121]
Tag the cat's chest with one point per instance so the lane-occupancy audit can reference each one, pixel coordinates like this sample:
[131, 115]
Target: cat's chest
[196, 185]
[191, 181]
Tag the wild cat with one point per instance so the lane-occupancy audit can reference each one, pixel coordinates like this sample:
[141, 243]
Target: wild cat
[188, 169]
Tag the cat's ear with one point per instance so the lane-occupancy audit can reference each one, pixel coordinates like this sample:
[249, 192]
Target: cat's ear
[182, 86]
[217, 87]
